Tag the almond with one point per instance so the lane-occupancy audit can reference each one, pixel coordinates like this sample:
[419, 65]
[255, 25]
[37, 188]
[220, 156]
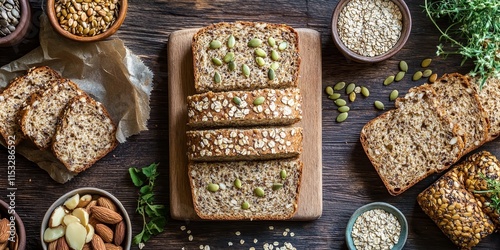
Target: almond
[4, 230]
[110, 246]
[119, 233]
[53, 245]
[105, 232]
[93, 221]
[90, 205]
[107, 203]
[4, 245]
[62, 244]
[86, 247]
[97, 243]
[105, 215]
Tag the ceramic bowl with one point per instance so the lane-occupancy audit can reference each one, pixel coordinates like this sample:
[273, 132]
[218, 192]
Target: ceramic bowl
[52, 14]
[405, 33]
[378, 205]
[21, 232]
[127, 242]
[22, 27]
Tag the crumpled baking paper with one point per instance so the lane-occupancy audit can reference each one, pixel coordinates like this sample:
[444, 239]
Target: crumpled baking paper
[106, 70]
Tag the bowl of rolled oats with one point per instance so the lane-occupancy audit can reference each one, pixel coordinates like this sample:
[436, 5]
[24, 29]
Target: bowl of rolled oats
[377, 225]
[15, 21]
[370, 31]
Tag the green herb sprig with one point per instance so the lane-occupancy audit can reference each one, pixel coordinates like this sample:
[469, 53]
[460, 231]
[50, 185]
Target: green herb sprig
[474, 33]
[493, 187]
[153, 215]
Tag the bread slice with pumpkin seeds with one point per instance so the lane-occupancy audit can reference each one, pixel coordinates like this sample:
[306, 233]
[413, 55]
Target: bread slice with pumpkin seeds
[245, 56]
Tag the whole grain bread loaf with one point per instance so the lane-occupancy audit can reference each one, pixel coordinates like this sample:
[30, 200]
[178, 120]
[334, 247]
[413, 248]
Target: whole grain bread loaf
[84, 134]
[39, 117]
[226, 48]
[236, 184]
[412, 141]
[489, 96]
[13, 98]
[243, 108]
[236, 144]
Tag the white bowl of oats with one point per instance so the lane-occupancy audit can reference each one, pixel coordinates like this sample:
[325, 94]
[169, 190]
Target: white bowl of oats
[377, 225]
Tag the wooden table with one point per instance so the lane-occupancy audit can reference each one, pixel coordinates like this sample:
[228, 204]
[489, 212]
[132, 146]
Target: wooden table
[349, 180]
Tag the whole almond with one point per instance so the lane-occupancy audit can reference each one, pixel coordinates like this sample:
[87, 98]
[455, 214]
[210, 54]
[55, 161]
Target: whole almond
[62, 244]
[90, 205]
[105, 215]
[97, 243]
[4, 230]
[4, 245]
[110, 246]
[93, 221]
[86, 247]
[107, 203]
[119, 233]
[105, 232]
[53, 245]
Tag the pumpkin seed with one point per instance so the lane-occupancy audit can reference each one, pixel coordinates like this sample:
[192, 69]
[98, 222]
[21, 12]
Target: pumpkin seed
[217, 77]
[352, 96]
[344, 109]
[246, 70]
[340, 102]
[417, 75]
[231, 65]
[399, 76]
[427, 73]
[260, 52]
[342, 117]
[215, 44]
[229, 57]
[350, 88]
[245, 205]
[339, 86]
[334, 96]
[403, 66]
[365, 92]
[259, 100]
[237, 183]
[275, 55]
[283, 46]
[216, 61]
[271, 42]
[388, 80]
[260, 61]
[426, 62]
[394, 94]
[271, 75]
[329, 90]
[277, 186]
[283, 174]
[231, 41]
[433, 78]
[379, 105]
[275, 65]
[259, 192]
[212, 187]
[237, 100]
[254, 43]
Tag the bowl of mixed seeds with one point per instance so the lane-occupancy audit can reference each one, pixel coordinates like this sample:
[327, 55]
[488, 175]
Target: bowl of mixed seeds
[370, 31]
[86, 20]
[377, 225]
[15, 20]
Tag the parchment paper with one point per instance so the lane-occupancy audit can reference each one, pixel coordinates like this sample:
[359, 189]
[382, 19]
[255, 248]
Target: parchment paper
[106, 70]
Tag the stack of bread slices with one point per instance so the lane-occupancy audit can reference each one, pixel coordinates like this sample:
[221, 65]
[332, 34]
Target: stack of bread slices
[432, 127]
[54, 113]
[243, 148]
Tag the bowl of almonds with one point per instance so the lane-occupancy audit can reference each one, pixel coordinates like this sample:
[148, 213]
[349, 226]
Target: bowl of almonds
[12, 231]
[86, 218]
[86, 20]
[15, 21]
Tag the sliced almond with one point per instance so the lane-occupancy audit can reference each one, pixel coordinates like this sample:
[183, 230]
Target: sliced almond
[57, 216]
[72, 202]
[76, 235]
[68, 219]
[90, 233]
[84, 200]
[81, 213]
[51, 234]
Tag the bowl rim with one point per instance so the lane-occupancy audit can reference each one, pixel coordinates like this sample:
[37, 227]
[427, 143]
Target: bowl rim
[22, 27]
[378, 205]
[20, 229]
[87, 190]
[405, 34]
[51, 13]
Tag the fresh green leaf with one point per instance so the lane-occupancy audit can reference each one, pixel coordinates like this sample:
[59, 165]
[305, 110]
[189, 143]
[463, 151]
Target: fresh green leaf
[138, 238]
[493, 190]
[150, 170]
[136, 177]
[145, 189]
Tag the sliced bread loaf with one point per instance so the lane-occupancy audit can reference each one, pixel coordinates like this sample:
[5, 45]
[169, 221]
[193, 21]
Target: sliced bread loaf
[411, 142]
[84, 134]
[245, 108]
[244, 144]
[14, 96]
[39, 117]
[241, 54]
[489, 96]
[244, 190]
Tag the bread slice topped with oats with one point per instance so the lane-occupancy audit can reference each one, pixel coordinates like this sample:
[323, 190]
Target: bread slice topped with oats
[245, 56]
[39, 117]
[13, 98]
[84, 134]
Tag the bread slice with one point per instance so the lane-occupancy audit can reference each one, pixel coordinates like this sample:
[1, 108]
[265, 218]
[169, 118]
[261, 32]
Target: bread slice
[278, 203]
[244, 144]
[286, 75]
[411, 142]
[14, 96]
[239, 108]
[489, 96]
[84, 134]
[457, 98]
[39, 117]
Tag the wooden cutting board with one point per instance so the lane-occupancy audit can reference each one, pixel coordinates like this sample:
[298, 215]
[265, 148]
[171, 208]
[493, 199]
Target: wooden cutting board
[181, 84]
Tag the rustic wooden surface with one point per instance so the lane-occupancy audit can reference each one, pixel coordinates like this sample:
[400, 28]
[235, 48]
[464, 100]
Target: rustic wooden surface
[349, 180]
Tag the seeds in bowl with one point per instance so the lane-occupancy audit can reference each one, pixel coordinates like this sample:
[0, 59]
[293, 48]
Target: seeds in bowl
[376, 229]
[370, 28]
[10, 14]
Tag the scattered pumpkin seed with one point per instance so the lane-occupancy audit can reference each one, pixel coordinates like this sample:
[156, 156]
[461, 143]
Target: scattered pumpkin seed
[403, 66]
[275, 55]
[283, 46]
[329, 90]
[277, 186]
[433, 78]
[417, 76]
[231, 41]
[231, 65]
[339, 86]
[260, 52]
[275, 65]
[426, 62]
[271, 42]
[334, 96]
[388, 80]
[365, 92]
[357, 89]
[394, 94]
[427, 73]
[379, 105]
[344, 109]
[399, 76]
[352, 96]
[260, 61]
[229, 57]
[237, 100]
[342, 117]
[237, 183]
[259, 100]
[271, 74]
[340, 102]
[212, 187]
[246, 70]
[259, 192]
[217, 77]
[254, 43]
[215, 44]
[283, 174]
[350, 88]
[245, 205]
[216, 61]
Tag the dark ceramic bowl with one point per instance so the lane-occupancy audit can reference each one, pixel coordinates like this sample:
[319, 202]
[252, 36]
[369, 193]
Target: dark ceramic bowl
[22, 27]
[21, 232]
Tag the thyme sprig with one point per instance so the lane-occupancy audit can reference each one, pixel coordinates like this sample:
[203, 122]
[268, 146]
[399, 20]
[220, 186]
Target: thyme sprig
[474, 33]
[493, 188]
